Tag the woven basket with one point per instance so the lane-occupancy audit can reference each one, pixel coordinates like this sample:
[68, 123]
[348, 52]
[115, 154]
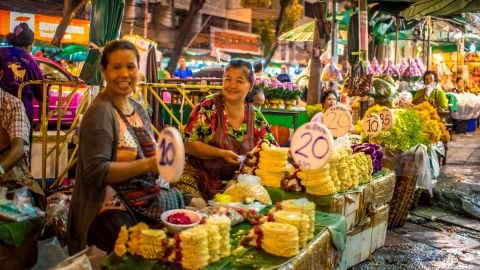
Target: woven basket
[403, 195]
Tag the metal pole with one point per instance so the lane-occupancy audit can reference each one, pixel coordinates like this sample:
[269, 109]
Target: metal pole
[397, 25]
[145, 22]
[429, 24]
[334, 33]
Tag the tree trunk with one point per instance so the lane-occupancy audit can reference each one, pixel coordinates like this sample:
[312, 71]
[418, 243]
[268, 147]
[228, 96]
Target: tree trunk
[70, 10]
[278, 31]
[129, 17]
[321, 37]
[183, 33]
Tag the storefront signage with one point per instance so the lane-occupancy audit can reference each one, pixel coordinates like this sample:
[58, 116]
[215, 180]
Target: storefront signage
[234, 41]
[44, 27]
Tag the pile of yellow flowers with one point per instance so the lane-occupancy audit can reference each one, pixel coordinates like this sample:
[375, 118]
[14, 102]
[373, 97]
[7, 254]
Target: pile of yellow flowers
[433, 129]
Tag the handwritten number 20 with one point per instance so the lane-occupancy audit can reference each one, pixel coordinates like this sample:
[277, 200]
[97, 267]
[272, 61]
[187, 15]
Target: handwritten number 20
[166, 149]
[314, 153]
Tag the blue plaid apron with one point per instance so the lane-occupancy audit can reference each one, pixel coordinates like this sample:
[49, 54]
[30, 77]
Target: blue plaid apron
[142, 194]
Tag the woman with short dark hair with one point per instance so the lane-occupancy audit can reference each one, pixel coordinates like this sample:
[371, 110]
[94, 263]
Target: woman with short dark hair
[19, 66]
[219, 130]
[432, 92]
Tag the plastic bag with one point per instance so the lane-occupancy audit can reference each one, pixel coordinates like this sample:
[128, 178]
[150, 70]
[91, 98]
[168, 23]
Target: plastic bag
[331, 73]
[57, 214]
[435, 150]
[248, 187]
[87, 259]
[49, 253]
[422, 160]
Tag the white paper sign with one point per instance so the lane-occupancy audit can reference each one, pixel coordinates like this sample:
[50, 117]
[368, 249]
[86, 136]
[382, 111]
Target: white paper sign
[312, 146]
[170, 154]
[372, 125]
[338, 120]
[386, 116]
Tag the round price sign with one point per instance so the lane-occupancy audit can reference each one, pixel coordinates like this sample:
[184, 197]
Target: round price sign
[312, 146]
[170, 154]
[386, 116]
[372, 125]
[338, 120]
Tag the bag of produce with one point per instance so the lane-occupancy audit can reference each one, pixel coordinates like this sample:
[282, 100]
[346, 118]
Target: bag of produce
[331, 73]
[382, 88]
[248, 189]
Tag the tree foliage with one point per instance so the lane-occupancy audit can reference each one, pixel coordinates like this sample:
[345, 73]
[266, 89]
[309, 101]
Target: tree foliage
[265, 28]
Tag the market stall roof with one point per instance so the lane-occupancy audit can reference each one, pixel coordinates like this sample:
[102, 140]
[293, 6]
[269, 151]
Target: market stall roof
[439, 8]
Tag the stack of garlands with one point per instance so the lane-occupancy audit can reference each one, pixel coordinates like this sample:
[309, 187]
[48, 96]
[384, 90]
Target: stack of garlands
[433, 128]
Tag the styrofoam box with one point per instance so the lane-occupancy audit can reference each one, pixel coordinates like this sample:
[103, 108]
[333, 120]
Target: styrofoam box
[357, 248]
[379, 229]
[37, 156]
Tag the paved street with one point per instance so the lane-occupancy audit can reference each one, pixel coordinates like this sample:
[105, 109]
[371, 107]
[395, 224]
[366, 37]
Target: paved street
[445, 233]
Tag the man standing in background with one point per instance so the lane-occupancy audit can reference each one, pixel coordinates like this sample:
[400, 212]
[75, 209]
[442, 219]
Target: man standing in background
[284, 76]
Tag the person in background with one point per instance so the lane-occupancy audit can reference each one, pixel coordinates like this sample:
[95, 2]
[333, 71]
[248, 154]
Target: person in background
[72, 68]
[117, 180]
[432, 92]
[222, 128]
[258, 97]
[459, 86]
[18, 67]
[162, 73]
[14, 147]
[183, 72]
[258, 71]
[328, 99]
[284, 76]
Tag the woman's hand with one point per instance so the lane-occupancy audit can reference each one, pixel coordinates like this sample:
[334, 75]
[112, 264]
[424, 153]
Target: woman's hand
[230, 157]
[152, 164]
[198, 203]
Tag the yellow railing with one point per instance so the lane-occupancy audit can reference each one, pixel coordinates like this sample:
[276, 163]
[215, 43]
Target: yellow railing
[61, 140]
[181, 90]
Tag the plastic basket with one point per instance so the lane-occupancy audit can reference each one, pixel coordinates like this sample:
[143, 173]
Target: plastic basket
[471, 126]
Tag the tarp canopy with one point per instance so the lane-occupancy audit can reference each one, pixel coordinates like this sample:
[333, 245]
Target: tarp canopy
[439, 8]
[105, 21]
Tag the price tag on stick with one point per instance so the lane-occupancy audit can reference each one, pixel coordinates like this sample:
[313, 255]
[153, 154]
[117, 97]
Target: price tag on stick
[312, 146]
[338, 120]
[386, 116]
[170, 154]
[372, 125]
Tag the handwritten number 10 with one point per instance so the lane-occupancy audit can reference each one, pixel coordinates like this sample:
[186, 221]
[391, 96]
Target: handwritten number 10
[166, 148]
[310, 138]
[371, 124]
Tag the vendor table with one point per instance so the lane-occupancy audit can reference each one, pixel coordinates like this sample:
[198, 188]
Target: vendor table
[292, 119]
[322, 252]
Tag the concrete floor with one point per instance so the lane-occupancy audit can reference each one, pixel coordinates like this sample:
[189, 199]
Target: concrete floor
[444, 233]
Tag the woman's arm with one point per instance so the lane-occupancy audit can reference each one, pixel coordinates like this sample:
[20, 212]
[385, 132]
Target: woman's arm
[205, 151]
[119, 172]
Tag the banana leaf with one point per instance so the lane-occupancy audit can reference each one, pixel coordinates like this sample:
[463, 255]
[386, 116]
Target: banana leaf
[105, 20]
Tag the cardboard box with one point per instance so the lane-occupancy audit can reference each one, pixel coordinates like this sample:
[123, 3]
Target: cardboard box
[379, 227]
[383, 190]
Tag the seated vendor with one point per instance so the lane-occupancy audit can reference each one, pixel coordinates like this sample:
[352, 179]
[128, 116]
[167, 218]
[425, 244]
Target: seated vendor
[14, 147]
[222, 128]
[432, 92]
[117, 172]
[328, 99]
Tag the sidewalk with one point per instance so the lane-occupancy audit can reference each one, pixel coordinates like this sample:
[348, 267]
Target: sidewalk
[445, 235]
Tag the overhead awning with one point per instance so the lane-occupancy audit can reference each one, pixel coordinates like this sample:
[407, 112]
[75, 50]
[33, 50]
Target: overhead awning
[440, 8]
